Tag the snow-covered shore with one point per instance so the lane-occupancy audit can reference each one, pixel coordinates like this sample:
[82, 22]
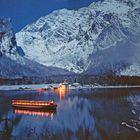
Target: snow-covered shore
[32, 86]
[37, 86]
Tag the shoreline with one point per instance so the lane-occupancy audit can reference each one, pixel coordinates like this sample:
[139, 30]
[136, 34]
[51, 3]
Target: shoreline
[36, 86]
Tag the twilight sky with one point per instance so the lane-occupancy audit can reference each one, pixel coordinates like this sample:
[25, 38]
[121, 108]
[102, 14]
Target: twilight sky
[23, 12]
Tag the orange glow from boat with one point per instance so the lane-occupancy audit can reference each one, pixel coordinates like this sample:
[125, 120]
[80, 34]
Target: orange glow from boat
[34, 113]
[36, 103]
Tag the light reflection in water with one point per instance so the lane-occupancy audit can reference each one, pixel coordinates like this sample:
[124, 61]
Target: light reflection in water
[61, 91]
[35, 113]
[90, 115]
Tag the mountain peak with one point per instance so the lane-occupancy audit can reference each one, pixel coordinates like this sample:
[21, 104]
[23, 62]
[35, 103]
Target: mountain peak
[71, 39]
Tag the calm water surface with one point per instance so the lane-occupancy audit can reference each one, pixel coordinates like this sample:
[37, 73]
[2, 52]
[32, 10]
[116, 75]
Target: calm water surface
[82, 114]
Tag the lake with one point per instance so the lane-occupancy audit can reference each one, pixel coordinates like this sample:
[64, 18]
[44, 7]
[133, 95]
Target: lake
[82, 114]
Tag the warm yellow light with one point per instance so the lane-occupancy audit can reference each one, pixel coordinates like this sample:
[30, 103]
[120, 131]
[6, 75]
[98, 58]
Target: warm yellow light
[36, 103]
[36, 113]
[62, 91]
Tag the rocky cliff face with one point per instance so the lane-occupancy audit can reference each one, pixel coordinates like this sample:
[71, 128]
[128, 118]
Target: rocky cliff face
[13, 64]
[96, 39]
[8, 44]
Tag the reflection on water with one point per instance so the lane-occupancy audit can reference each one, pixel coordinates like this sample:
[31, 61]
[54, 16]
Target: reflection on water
[7, 124]
[7, 129]
[61, 91]
[82, 114]
[35, 113]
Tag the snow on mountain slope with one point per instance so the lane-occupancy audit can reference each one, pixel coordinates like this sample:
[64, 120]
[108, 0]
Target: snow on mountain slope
[13, 69]
[72, 39]
[133, 70]
[12, 61]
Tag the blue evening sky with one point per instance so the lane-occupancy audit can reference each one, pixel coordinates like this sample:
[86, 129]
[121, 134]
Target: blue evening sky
[23, 12]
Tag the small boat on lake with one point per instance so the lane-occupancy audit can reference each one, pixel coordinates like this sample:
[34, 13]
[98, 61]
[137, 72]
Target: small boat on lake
[29, 104]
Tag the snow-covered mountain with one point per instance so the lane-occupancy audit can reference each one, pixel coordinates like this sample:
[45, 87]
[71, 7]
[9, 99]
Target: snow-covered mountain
[94, 39]
[13, 64]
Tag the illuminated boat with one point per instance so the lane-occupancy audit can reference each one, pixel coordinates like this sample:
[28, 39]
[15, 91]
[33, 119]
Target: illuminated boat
[27, 104]
[64, 85]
